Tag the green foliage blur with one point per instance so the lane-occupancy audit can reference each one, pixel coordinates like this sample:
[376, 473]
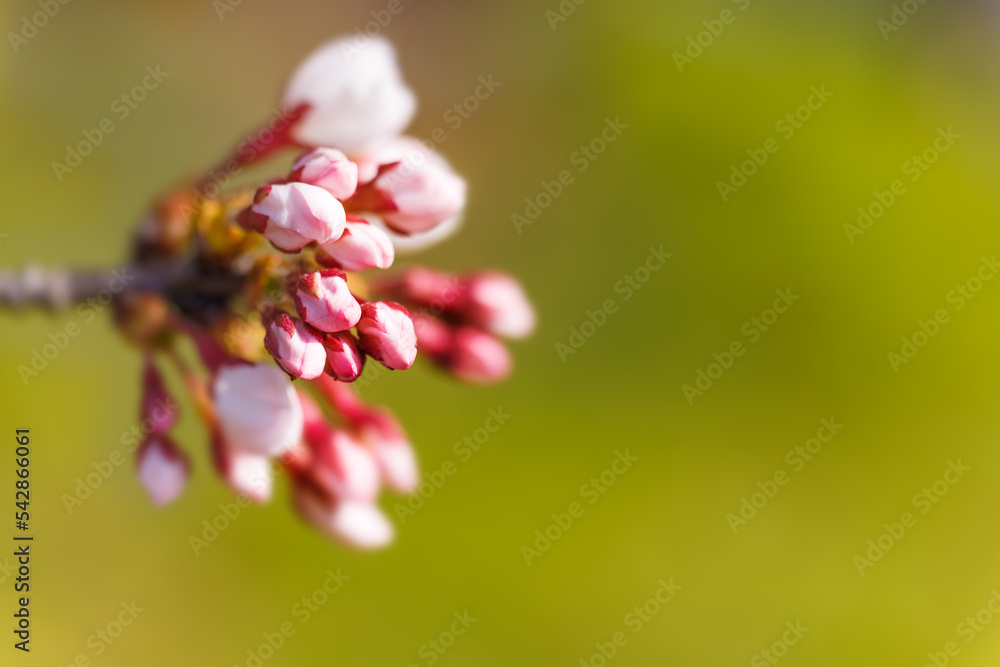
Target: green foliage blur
[800, 556]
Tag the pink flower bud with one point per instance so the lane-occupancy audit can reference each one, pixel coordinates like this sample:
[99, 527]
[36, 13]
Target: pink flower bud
[362, 246]
[344, 360]
[385, 333]
[329, 169]
[247, 474]
[434, 337]
[346, 468]
[392, 450]
[257, 409]
[358, 524]
[324, 300]
[426, 287]
[158, 410]
[296, 349]
[292, 215]
[352, 95]
[163, 469]
[479, 357]
[412, 188]
[497, 303]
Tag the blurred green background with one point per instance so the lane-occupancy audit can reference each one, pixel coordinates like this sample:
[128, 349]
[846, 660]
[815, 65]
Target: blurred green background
[666, 517]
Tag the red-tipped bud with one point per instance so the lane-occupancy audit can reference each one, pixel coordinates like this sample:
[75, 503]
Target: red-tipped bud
[344, 360]
[329, 169]
[362, 246]
[385, 333]
[412, 189]
[292, 215]
[296, 349]
[324, 301]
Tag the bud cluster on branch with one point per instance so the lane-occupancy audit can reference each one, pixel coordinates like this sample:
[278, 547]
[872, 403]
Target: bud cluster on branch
[274, 273]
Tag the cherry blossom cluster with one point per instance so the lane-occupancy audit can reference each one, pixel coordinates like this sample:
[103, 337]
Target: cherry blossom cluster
[295, 248]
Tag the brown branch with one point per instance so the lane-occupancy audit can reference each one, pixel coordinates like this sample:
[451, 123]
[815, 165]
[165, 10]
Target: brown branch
[56, 289]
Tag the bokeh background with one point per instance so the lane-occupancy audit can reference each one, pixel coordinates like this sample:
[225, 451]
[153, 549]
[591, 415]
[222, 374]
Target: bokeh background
[622, 390]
